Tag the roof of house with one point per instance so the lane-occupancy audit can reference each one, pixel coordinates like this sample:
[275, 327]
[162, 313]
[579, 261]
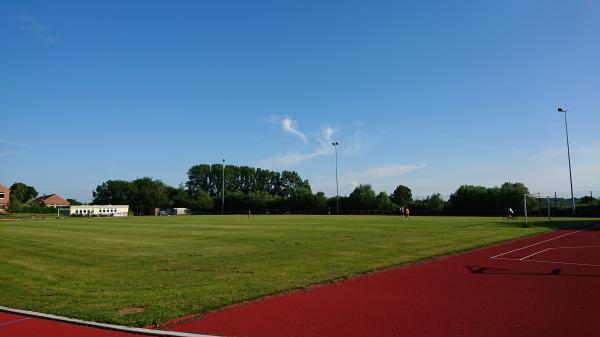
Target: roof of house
[51, 199]
[3, 188]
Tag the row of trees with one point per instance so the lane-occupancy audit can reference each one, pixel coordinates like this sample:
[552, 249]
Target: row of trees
[244, 179]
[363, 197]
[469, 197]
[248, 188]
[245, 188]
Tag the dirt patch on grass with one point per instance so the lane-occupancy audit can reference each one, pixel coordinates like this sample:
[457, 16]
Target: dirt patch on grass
[130, 310]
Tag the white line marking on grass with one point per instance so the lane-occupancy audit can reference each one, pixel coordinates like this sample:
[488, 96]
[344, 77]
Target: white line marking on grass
[142, 331]
[15, 321]
[535, 244]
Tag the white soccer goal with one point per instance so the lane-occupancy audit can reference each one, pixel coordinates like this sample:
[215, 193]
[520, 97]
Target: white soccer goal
[538, 196]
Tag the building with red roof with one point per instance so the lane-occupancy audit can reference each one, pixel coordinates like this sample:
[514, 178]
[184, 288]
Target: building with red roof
[4, 197]
[51, 200]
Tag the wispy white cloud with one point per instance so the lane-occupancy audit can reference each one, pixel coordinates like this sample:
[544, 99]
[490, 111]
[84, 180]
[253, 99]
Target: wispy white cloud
[9, 147]
[290, 126]
[356, 145]
[28, 23]
[383, 171]
[323, 142]
[325, 139]
[12, 143]
[591, 150]
[383, 178]
[290, 158]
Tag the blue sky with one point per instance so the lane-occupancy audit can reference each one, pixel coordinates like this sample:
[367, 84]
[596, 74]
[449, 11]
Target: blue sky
[429, 94]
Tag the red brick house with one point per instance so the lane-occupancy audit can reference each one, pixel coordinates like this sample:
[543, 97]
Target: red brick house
[51, 200]
[4, 197]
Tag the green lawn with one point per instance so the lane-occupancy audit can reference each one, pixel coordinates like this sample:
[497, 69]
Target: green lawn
[174, 266]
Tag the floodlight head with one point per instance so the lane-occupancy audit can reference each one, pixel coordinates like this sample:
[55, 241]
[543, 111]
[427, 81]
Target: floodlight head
[335, 143]
[562, 110]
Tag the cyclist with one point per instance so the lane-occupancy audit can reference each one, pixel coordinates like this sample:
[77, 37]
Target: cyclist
[510, 213]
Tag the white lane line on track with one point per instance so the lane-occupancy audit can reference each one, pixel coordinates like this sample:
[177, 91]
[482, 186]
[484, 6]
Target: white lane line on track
[547, 249]
[139, 331]
[576, 247]
[556, 262]
[15, 321]
[570, 263]
[535, 244]
[541, 251]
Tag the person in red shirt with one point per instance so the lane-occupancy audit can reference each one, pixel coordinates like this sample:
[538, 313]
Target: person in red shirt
[406, 213]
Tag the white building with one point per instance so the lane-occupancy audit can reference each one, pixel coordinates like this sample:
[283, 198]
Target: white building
[99, 210]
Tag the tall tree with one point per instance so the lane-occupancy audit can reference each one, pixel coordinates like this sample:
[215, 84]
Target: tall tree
[179, 197]
[199, 178]
[468, 197]
[435, 202]
[113, 192]
[363, 197]
[401, 196]
[383, 202]
[149, 193]
[511, 195]
[22, 192]
[319, 201]
[201, 200]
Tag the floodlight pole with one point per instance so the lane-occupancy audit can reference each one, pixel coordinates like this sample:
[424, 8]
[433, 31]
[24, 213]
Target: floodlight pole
[569, 156]
[525, 208]
[337, 190]
[223, 190]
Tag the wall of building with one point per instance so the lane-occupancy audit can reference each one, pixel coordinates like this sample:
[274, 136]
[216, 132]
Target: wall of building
[4, 197]
[99, 210]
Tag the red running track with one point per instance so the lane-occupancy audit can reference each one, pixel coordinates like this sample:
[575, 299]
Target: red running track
[548, 285]
[23, 326]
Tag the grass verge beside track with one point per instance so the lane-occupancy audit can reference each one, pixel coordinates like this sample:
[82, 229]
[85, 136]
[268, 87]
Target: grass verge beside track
[145, 270]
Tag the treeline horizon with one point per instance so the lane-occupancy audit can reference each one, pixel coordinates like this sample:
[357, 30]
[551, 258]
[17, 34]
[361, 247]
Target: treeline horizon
[261, 190]
[256, 189]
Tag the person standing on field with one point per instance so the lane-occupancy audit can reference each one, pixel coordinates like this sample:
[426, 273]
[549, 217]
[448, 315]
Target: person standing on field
[402, 212]
[406, 213]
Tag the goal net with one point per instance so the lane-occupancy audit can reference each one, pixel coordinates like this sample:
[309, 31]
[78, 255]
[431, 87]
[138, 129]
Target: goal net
[534, 196]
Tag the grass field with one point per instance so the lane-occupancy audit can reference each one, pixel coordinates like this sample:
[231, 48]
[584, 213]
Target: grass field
[174, 266]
